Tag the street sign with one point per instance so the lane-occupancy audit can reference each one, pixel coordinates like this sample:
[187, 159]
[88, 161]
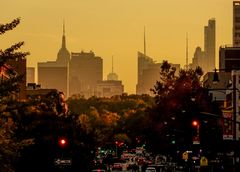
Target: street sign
[63, 162]
[227, 125]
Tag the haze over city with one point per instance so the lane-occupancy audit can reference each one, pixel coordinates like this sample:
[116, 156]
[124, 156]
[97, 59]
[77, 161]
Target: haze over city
[115, 28]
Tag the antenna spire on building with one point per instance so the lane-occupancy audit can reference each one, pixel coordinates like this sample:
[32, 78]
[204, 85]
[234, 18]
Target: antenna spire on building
[112, 64]
[63, 27]
[145, 52]
[63, 37]
[186, 50]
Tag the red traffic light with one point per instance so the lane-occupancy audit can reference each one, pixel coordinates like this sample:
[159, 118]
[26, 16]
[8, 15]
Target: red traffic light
[195, 123]
[62, 142]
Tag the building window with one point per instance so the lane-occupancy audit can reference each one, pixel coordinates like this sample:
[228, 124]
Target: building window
[237, 19]
[237, 34]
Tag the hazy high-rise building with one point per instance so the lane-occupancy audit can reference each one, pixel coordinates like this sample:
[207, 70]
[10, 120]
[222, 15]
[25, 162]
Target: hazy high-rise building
[149, 78]
[85, 70]
[30, 75]
[198, 59]
[210, 45]
[149, 74]
[143, 63]
[236, 23]
[55, 74]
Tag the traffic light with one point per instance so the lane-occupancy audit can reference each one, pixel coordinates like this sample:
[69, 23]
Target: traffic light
[196, 132]
[62, 142]
[195, 123]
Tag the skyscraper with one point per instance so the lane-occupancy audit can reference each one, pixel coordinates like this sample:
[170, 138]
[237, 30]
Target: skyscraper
[85, 70]
[236, 23]
[143, 64]
[209, 45]
[148, 72]
[54, 74]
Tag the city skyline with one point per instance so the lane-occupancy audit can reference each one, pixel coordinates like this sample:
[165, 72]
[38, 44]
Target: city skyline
[116, 29]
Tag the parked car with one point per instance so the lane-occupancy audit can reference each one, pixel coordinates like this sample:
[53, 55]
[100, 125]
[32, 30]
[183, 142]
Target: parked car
[117, 166]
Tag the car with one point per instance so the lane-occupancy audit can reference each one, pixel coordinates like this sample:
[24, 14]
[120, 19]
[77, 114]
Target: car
[150, 169]
[117, 166]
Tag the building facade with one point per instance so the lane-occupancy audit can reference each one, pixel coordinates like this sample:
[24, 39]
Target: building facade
[30, 75]
[229, 58]
[109, 88]
[53, 75]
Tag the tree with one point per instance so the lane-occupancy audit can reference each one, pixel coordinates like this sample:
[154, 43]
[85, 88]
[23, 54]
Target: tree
[179, 98]
[9, 85]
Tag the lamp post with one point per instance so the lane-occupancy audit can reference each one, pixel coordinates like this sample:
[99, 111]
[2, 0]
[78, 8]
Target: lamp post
[234, 104]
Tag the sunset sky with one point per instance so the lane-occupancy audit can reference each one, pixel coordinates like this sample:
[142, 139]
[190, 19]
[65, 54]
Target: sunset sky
[115, 28]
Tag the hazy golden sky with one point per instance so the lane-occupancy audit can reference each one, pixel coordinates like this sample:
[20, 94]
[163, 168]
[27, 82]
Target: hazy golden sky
[115, 27]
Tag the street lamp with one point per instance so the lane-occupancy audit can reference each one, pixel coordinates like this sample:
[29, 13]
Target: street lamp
[234, 103]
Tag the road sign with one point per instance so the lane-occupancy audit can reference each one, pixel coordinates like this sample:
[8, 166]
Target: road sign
[227, 125]
[63, 162]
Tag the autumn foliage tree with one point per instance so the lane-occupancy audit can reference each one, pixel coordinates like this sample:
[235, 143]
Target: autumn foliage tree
[180, 98]
[9, 86]
[104, 119]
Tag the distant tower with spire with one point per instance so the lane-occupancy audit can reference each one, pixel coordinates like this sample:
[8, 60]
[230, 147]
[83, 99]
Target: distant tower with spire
[63, 55]
[187, 65]
[145, 51]
[112, 76]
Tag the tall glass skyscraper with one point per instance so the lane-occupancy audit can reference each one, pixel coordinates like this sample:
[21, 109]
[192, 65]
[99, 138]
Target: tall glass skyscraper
[236, 23]
[210, 45]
